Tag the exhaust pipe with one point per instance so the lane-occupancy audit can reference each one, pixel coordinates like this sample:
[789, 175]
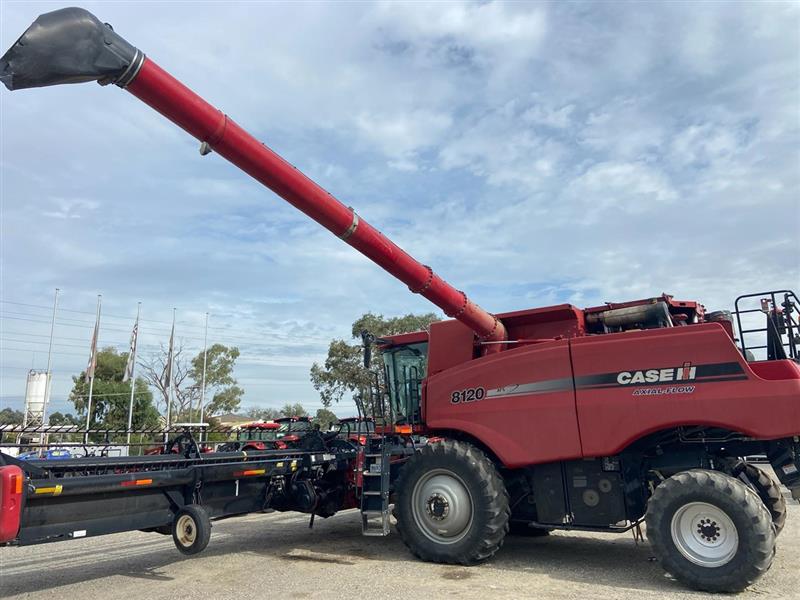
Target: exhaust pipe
[72, 46]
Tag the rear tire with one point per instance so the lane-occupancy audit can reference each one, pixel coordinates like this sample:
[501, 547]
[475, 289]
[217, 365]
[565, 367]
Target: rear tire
[452, 505]
[710, 531]
[767, 489]
[191, 529]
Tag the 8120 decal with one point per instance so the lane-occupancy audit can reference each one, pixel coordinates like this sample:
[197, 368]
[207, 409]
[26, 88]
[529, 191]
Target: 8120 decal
[468, 395]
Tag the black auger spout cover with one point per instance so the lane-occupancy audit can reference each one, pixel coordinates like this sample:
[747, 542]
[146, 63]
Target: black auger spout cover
[69, 45]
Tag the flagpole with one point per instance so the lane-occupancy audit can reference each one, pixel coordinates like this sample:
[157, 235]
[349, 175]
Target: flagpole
[93, 366]
[203, 385]
[171, 378]
[132, 358]
[49, 365]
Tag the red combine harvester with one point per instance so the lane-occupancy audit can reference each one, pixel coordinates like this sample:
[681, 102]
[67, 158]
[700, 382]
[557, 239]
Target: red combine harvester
[594, 419]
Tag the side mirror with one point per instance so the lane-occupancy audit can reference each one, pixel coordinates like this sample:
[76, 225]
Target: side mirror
[367, 339]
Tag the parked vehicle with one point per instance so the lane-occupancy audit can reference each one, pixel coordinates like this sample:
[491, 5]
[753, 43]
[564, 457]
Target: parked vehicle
[48, 454]
[292, 429]
[254, 436]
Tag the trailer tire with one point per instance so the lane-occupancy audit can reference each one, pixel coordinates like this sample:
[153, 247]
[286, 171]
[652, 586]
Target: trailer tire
[191, 529]
[710, 531]
[452, 505]
[767, 489]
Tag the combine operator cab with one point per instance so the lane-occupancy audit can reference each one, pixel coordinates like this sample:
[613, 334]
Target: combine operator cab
[405, 359]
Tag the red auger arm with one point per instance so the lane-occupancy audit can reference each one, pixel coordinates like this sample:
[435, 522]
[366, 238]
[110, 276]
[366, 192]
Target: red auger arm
[72, 46]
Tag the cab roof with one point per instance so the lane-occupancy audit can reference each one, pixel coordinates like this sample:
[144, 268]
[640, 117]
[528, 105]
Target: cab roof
[402, 339]
[259, 425]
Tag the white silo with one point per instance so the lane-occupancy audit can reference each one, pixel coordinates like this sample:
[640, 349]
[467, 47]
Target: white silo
[35, 398]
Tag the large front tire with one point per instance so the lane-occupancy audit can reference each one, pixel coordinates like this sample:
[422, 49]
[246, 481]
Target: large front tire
[710, 531]
[452, 505]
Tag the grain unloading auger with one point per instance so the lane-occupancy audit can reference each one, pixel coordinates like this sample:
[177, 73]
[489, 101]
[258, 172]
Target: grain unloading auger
[596, 419]
[72, 46]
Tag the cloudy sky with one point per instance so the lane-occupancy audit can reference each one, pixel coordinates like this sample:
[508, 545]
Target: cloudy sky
[532, 153]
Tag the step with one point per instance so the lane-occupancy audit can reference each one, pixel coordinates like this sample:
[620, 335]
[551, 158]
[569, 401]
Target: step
[373, 528]
[374, 532]
[374, 514]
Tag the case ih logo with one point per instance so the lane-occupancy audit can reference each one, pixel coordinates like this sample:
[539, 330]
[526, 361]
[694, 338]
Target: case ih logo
[684, 373]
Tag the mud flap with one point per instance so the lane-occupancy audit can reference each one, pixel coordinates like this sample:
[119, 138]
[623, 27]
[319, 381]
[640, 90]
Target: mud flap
[784, 456]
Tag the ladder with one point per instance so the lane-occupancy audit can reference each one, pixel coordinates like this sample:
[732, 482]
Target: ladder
[375, 487]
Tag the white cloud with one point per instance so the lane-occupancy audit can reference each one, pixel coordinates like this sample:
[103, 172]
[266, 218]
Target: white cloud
[402, 135]
[70, 208]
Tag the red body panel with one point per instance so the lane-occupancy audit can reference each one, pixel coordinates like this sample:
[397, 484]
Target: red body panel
[12, 481]
[453, 346]
[454, 341]
[613, 417]
[520, 428]
[580, 397]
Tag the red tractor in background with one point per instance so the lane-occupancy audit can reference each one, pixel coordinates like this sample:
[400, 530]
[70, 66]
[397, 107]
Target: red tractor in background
[258, 435]
[292, 429]
[596, 419]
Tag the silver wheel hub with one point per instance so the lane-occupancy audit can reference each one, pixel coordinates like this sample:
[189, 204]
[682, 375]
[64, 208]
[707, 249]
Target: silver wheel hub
[438, 507]
[704, 534]
[442, 506]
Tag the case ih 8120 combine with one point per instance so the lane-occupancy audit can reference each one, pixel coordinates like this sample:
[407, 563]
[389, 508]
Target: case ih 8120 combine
[549, 418]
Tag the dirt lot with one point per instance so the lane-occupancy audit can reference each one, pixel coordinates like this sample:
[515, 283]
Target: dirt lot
[261, 556]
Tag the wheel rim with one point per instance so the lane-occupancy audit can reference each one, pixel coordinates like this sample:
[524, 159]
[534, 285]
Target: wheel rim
[704, 534]
[442, 506]
[186, 531]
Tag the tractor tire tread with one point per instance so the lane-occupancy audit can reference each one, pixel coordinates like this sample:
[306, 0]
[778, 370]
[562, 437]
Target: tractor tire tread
[754, 528]
[768, 489]
[493, 495]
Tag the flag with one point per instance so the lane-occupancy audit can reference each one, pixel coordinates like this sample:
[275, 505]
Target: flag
[168, 366]
[93, 356]
[131, 353]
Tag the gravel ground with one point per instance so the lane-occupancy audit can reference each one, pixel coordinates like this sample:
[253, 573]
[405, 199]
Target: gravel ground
[264, 555]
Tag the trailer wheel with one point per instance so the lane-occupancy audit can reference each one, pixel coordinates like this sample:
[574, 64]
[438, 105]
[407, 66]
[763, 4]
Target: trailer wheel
[452, 505]
[767, 489]
[710, 531]
[191, 529]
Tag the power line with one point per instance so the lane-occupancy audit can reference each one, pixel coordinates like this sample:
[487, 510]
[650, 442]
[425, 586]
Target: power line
[4, 347]
[41, 342]
[263, 339]
[184, 324]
